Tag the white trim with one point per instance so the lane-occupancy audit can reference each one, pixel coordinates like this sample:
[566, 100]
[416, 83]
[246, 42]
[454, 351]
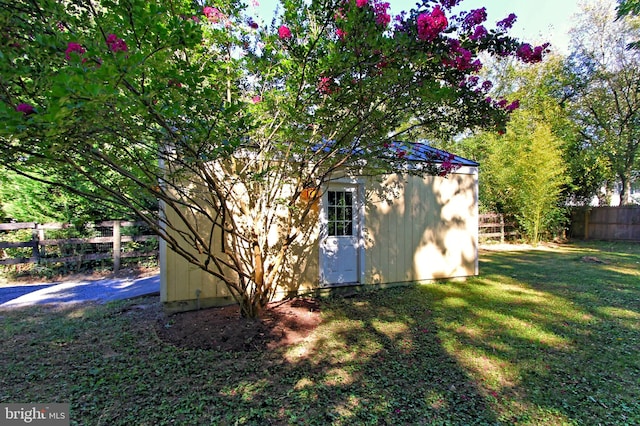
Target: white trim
[466, 170]
[341, 183]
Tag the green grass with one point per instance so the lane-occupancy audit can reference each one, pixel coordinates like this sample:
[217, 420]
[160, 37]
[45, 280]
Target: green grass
[541, 337]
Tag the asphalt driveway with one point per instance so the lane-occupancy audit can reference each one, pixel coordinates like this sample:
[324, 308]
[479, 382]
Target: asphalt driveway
[100, 291]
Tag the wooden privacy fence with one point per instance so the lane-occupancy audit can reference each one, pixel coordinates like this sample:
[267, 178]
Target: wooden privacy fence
[493, 225]
[606, 223]
[75, 250]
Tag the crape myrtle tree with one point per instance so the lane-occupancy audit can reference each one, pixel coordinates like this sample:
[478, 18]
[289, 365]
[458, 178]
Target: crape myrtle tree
[235, 126]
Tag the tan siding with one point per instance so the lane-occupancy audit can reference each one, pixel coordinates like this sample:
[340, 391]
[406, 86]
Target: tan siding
[185, 281]
[407, 226]
[429, 231]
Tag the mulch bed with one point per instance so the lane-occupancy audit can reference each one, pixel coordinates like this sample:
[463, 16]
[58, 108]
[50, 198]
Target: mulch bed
[224, 329]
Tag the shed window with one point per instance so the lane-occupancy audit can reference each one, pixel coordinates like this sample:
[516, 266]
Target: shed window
[340, 213]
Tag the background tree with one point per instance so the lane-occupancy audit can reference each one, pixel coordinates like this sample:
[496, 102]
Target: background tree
[31, 200]
[630, 8]
[606, 99]
[525, 172]
[228, 123]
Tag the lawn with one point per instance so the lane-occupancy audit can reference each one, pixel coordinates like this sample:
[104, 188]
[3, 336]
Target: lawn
[540, 337]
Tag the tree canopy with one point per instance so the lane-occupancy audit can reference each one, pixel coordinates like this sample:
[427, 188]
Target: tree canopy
[228, 123]
[604, 96]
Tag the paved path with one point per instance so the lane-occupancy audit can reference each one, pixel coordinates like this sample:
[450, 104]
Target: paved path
[100, 291]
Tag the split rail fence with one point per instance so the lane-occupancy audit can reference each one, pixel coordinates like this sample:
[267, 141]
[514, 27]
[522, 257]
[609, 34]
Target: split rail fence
[114, 235]
[494, 225]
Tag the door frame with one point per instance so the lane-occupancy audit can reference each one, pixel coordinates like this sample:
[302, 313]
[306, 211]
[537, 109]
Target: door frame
[358, 224]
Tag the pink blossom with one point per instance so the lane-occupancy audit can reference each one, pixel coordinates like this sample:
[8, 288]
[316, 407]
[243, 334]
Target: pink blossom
[73, 48]
[528, 54]
[341, 33]
[382, 16]
[256, 99]
[461, 58]
[479, 33]
[324, 86]
[473, 80]
[26, 109]
[524, 51]
[448, 165]
[475, 17]
[116, 44]
[431, 24]
[448, 4]
[284, 32]
[213, 14]
[400, 24]
[507, 22]
[361, 3]
[513, 106]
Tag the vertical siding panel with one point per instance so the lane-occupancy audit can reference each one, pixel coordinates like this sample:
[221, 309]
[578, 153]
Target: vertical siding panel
[381, 267]
[388, 239]
[392, 219]
[408, 225]
[401, 229]
[372, 234]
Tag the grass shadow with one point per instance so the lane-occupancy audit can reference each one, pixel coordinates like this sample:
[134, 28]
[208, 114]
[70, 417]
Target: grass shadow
[541, 337]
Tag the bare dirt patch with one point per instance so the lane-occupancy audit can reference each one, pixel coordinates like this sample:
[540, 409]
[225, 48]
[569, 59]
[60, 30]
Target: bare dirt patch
[224, 329]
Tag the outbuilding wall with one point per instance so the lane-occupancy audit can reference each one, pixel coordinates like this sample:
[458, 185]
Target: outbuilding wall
[414, 230]
[430, 231]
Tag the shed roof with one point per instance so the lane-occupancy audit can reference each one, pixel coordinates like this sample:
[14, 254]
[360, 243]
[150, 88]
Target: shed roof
[416, 152]
[421, 152]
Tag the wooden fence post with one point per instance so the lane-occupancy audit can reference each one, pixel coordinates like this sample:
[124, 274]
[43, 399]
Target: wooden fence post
[116, 246]
[586, 224]
[501, 228]
[43, 251]
[35, 241]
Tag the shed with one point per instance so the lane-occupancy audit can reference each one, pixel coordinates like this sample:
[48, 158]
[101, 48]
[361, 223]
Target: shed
[371, 231]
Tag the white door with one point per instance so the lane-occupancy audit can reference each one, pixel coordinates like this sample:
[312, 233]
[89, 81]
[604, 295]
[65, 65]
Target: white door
[339, 252]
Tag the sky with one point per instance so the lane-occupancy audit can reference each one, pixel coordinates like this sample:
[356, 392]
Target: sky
[538, 21]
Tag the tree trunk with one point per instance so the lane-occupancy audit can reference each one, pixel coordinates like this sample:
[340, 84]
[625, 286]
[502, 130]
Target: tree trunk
[254, 302]
[625, 192]
[250, 307]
